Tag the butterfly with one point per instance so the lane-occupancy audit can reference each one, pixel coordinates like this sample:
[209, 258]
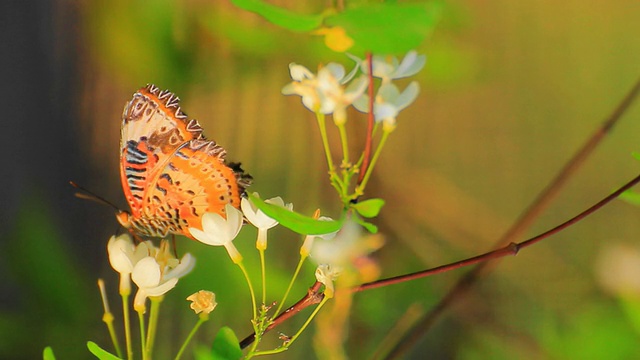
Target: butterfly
[170, 173]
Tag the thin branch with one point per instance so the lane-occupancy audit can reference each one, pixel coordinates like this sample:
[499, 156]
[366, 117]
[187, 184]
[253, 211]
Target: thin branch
[510, 249]
[525, 220]
[314, 296]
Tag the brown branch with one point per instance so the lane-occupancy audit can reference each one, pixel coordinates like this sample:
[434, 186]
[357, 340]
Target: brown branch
[510, 249]
[314, 296]
[522, 223]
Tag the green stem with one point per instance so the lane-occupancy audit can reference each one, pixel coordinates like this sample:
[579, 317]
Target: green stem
[304, 326]
[333, 177]
[258, 336]
[142, 335]
[107, 318]
[201, 320]
[345, 144]
[325, 141]
[264, 276]
[127, 325]
[153, 324]
[376, 155]
[286, 345]
[293, 279]
[253, 295]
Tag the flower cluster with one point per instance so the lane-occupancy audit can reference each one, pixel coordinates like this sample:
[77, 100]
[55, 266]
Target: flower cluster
[325, 93]
[154, 270]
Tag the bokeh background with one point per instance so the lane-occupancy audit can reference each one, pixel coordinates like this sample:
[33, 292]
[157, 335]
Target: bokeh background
[509, 92]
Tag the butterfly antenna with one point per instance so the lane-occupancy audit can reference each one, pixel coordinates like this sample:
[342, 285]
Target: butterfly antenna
[90, 195]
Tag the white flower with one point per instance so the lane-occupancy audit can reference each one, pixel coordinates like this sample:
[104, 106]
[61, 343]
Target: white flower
[259, 219]
[389, 68]
[326, 274]
[324, 93]
[123, 256]
[346, 254]
[218, 231]
[347, 246]
[155, 278]
[307, 245]
[388, 103]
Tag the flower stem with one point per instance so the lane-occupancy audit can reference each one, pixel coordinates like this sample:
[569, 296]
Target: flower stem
[304, 326]
[153, 323]
[107, 318]
[293, 279]
[288, 343]
[376, 155]
[201, 321]
[142, 335]
[253, 294]
[264, 276]
[345, 144]
[325, 141]
[335, 180]
[127, 325]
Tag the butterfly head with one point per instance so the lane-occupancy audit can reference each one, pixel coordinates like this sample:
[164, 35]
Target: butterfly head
[124, 218]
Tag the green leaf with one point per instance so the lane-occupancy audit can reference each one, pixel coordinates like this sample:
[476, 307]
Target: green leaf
[297, 222]
[279, 16]
[367, 225]
[631, 197]
[370, 227]
[369, 208]
[47, 354]
[387, 28]
[226, 345]
[99, 352]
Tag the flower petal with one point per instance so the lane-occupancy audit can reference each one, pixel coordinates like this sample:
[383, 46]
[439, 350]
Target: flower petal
[162, 288]
[336, 70]
[385, 110]
[146, 273]
[350, 75]
[213, 223]
[411, 64]
[184, 267]
[299, 72]
[248, 208]
[121, 250]
[362, 103]
[234, 222]
[202, 236]
[408, 96]
[388, 93]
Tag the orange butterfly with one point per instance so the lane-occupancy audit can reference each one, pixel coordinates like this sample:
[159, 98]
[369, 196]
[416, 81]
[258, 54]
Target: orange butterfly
[171, 174]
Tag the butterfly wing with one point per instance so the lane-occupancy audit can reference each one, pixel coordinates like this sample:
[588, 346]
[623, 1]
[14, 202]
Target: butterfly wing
[153, 127]
[195, 180]
[170, 173]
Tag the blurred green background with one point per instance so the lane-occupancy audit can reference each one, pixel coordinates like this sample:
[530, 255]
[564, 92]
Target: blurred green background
[509, 92]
